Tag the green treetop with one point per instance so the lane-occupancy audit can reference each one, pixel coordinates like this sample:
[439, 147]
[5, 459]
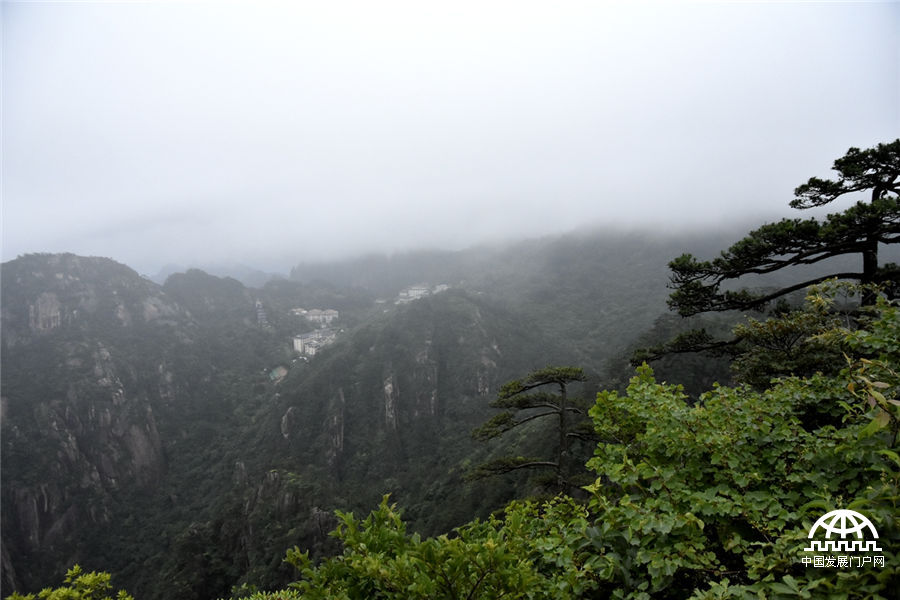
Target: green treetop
[858, 230]
[79, 586]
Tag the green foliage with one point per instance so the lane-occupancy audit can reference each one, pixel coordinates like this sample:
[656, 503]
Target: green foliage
[79, 586]
[792, 341]
[288, 594]
[715, 499]
[874, 377]
[380, 560]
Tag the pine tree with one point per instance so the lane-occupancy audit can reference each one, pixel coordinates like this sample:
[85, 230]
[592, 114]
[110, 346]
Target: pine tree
[859, 230]
[526, 400]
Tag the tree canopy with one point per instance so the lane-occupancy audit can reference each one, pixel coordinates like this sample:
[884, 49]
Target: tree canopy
[858, 230]
[526, 400]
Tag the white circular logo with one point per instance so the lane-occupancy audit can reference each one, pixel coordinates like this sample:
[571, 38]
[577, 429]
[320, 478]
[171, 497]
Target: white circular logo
[842, 524]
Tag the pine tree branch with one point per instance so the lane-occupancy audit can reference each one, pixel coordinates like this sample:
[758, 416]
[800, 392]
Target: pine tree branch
[501, 466]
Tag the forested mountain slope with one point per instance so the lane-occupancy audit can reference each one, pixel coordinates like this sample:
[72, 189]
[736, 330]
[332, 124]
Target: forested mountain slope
[170, 435]
[594, 291]
[111, 389]
[140, 422]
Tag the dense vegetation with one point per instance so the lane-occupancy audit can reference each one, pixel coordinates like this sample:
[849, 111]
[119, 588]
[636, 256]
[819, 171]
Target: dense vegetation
[706, 500]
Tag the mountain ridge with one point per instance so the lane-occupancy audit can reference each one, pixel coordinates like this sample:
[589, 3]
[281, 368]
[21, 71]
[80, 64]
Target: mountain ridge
[159, 400]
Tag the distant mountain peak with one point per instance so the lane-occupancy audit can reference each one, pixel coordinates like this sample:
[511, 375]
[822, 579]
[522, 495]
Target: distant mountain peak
[42, 293]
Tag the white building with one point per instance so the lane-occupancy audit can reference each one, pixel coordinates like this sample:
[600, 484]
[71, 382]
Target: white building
[414, 292]
[320, 317]
[310, 343]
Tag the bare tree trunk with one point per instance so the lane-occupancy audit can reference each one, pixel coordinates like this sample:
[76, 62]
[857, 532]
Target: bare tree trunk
[562, 456]
[870, 269]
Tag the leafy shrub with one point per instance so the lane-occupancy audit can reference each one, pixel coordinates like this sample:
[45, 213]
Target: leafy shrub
[79, 586]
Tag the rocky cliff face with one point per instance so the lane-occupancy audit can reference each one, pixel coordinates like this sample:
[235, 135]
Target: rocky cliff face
[43, 293]
[393, 403]
[120, 445]
[79, 416]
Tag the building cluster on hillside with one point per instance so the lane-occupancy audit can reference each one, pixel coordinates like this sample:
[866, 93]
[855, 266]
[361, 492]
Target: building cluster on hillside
[310, 343]
[321, 318]
[414, 292]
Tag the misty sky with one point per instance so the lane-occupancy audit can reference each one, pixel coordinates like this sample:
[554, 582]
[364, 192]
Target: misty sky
[275, 133]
